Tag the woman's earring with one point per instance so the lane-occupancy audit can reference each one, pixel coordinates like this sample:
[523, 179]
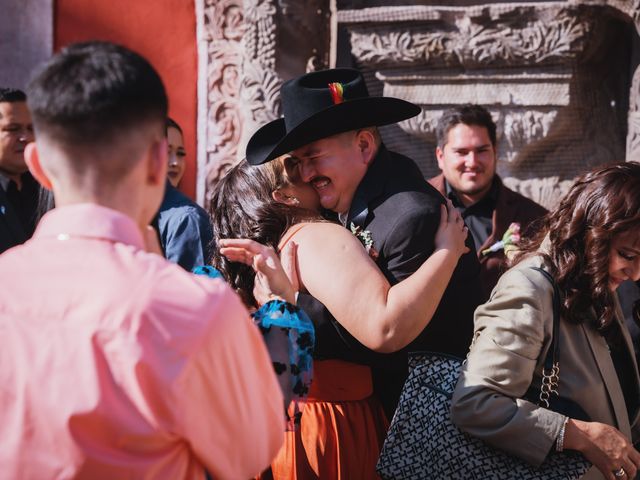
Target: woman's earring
[293, 200]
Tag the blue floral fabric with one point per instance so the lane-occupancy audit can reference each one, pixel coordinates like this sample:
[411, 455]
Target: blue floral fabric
[290, 339]
[207, 270]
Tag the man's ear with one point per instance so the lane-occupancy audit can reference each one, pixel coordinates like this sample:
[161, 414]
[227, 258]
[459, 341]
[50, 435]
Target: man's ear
[32, 158]
[440, 158]
[157, 161]
[367, 146]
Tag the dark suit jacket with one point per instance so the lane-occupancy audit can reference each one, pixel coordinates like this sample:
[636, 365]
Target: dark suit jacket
[18, 220]
[510, 207]
[12, 232]
[402, 212]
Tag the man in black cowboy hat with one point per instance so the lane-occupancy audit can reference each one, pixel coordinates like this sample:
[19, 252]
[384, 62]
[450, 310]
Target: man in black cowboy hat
[329, 129]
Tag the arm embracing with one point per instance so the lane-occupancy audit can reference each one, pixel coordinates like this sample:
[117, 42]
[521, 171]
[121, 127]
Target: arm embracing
[382, 317]
[509, 337]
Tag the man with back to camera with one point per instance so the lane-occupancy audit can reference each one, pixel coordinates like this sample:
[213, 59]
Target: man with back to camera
[116, 363]
[329, 131]
[18, 189]
[467, 156]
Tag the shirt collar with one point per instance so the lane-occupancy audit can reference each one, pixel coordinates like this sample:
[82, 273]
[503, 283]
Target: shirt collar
[88, 220]
[4, 181]
[372, 183]
[491, 196]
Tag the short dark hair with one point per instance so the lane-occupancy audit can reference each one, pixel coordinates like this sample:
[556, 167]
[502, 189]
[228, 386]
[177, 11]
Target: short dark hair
[468, 114]
[90, 92]
[12, 95]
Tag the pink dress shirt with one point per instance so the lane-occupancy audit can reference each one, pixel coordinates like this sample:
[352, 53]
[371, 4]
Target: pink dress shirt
[116, 364]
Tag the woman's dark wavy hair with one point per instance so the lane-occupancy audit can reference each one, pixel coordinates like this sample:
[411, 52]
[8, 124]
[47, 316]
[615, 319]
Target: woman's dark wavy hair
[601, 205]
[242, 207]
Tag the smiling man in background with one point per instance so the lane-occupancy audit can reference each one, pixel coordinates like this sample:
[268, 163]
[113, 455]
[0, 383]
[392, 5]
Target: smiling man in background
[18, 189]
[467, 156]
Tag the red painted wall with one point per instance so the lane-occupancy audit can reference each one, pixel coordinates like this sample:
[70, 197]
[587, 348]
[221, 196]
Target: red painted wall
[163, 31]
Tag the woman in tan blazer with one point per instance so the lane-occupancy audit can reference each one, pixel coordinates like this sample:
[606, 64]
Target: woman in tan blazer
[590, 244]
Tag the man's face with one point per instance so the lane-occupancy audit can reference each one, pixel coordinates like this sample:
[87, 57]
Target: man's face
[468, 161]
[16, 131]
[334, 167]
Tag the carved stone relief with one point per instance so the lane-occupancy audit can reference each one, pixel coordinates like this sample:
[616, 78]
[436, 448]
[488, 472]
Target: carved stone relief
[472, 42]
[245, 66]
[537, 68]
[633, 137]
[555, 75]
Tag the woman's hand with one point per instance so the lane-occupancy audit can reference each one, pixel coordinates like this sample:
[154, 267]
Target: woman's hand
[452, 232]
[271, 274]
[604, 446]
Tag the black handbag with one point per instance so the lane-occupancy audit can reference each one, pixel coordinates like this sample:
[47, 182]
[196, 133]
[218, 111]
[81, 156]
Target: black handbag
[423, 443]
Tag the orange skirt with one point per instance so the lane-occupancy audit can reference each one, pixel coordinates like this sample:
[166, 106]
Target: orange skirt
[341, 430]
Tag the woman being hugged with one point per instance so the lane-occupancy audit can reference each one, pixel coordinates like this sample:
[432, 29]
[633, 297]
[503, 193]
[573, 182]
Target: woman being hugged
[589, 244]
[342, 424]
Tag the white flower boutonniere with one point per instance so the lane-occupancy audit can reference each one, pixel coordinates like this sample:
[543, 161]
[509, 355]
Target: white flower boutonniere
[365, 238]
[509, 241]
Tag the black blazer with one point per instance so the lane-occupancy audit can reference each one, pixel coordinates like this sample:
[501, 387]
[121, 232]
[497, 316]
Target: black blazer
[12, 232]
[402, 212]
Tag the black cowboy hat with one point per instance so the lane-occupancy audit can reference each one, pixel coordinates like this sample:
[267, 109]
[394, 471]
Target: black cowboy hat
[321, 104]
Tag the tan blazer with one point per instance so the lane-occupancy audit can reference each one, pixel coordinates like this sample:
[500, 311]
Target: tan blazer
[512, 336]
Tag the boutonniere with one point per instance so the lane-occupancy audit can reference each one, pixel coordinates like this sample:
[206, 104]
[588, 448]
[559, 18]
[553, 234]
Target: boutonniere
[366, 239]
[509, 240]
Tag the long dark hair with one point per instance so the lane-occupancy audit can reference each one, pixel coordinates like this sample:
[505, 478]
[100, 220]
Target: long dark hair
[242, 207]
[601, 205]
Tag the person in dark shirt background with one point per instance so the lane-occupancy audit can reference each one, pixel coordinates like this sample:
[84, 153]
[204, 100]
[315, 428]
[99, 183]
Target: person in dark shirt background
[18, 189]
[467, 156]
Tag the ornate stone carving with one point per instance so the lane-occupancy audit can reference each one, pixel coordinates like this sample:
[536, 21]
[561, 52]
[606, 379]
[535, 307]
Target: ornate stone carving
[260, 84]
[474, 41]
[521, 128]
[222, 29]
[238, 54]
[546, 191]
[633, 123]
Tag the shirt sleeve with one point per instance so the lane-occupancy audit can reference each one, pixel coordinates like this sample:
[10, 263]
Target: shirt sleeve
[229, 402]
[509, 338]
[187, 240]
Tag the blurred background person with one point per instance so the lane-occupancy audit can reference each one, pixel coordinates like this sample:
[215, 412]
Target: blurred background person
[184, 227]
[177, 153]
[18, 189]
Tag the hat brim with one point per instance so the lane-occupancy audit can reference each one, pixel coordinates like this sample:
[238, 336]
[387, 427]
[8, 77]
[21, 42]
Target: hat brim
[272, 140]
